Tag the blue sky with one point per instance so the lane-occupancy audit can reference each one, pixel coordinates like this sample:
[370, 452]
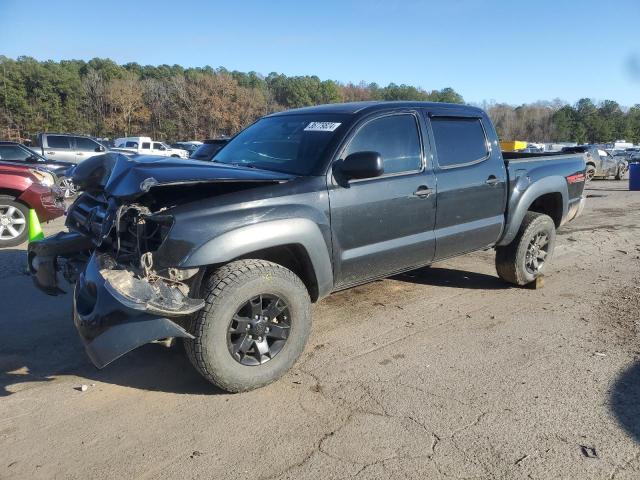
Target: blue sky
[508, 51]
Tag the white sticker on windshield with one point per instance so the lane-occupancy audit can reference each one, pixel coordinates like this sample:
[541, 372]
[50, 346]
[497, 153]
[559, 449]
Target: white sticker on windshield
[322, 126]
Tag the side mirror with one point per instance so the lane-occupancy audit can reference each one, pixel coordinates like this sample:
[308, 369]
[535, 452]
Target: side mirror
[99, 148]
[362, 165]
[32, 159]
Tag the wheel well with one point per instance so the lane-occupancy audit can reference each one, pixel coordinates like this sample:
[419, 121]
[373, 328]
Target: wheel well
[8, 191]
[549, 204]
[295, 258]
[591, 164]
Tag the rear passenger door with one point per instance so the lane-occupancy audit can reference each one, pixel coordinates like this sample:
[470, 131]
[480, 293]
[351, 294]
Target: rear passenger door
[59, 147]
[471, 184]
[385, 224]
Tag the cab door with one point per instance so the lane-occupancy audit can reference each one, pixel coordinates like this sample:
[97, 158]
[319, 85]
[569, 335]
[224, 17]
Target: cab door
[85, 148]
[385, 224]
[59, 147]
[472, 184]
[609, 163]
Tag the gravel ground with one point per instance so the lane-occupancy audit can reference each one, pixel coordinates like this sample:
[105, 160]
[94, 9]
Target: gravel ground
[443, 372]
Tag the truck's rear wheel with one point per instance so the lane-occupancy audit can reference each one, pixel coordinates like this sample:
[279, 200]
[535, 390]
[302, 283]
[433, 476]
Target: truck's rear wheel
[525, 258]
[254, 326]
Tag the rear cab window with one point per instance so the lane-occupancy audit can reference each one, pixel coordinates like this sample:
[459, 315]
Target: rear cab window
[459, 140]
[59, 141]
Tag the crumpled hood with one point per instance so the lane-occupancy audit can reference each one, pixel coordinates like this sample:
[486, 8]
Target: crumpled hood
[125, 176]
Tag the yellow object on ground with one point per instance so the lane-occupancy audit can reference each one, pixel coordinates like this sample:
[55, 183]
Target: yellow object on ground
[512, 145]
[35, 230]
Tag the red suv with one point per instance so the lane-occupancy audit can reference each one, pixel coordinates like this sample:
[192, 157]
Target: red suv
[21, 188]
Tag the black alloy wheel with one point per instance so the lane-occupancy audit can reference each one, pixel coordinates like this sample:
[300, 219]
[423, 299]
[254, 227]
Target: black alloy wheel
[259, 330]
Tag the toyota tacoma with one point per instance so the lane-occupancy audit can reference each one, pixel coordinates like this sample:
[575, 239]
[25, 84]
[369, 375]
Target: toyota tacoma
[229, 254]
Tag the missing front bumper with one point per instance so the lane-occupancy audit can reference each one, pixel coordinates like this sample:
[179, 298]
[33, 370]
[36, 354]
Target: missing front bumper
[119, 313]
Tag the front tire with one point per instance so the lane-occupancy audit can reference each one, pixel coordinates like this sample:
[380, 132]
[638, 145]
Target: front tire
[619, 174]
[525, 258]
[254, 326]
[14, 228]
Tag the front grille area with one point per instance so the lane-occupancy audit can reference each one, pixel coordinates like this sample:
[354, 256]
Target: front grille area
[89, 215]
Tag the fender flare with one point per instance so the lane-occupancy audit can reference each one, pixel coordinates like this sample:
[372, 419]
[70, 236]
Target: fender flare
[519, 204]
[251, 238]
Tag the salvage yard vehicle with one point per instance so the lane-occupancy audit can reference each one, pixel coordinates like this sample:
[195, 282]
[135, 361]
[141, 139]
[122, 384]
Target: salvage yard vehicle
[230, 254]
[17, 153]
[600, 163]
[23, 187]
[146, 146]
[66, 147]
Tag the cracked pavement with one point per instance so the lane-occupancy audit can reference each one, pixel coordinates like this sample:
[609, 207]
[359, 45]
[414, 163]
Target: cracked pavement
[445, 372]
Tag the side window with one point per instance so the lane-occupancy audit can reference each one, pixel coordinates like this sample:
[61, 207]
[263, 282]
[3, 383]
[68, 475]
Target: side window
[458, 140]
[58, 141]
[11, 152]
[85, 144]
[158, 146]
[395, 137]
[146, 146]
[132, 144]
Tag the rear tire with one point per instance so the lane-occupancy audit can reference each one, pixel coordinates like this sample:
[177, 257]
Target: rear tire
[229, 341]
[619, 174]
[524, 259]
[590, 173]
[14, 227]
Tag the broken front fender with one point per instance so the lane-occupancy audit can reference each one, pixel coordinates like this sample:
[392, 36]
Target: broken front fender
[115, 315]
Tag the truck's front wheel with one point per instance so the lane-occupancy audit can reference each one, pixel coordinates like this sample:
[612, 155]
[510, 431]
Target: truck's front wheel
[254, 326]
[525, 258]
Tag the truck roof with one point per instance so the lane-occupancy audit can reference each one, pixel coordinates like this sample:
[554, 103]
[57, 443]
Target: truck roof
[375, 105]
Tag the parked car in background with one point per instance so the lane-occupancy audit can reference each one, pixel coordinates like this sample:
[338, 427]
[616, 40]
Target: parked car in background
[190, 146]
[208, 149]
[599, 162]
[23, 187]
[146, 146]
[230, 254]
[66, 147]
[17, 153]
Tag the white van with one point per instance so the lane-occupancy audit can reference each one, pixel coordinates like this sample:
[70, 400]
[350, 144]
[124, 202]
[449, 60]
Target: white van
[146, 146]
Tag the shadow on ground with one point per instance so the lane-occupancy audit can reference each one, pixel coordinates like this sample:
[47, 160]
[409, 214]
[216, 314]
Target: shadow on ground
[39, 343]
[625, 400]
[444, 277]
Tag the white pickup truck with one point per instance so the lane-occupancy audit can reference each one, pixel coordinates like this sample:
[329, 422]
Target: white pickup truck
[146, 146]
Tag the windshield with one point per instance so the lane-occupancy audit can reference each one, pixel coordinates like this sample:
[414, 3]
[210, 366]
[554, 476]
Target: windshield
[289, 143]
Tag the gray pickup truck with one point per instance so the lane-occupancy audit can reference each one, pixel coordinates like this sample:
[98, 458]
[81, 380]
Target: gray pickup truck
[229, 254]
[66, 147]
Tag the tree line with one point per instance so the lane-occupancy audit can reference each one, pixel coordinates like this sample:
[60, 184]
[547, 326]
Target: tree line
[105, 99]
[555, 121]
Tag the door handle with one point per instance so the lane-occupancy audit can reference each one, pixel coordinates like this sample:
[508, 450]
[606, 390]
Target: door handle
[51, 153]
[423, 192]
[492, 180]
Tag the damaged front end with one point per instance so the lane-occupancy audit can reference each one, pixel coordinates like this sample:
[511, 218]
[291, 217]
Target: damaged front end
[128, 289]
[120, 301]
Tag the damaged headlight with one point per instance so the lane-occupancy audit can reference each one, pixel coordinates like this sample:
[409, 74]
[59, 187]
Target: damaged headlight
[152, 294]
[43, 177]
